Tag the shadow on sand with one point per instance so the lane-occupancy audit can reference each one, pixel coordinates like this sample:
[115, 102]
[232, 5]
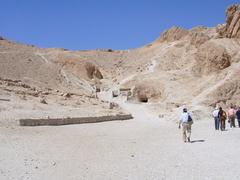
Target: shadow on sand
[196, 141]
[224, 130]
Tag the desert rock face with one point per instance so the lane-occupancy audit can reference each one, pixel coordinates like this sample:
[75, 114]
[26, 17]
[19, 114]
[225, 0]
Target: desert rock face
[226, 94]
[232, 27]
[199, 36]
[93, 71]
[212, 58]
[194, 68]
[173, 34]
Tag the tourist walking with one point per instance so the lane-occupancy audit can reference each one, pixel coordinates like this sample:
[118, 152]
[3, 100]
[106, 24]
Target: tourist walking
[186, 122]
[222, 117]
[231, 116]
[216, 118]
[238, 116]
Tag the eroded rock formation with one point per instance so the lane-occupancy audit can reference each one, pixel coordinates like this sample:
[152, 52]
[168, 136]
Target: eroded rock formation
[173, 34]
[211, 58]
[232, 27]
[93, 71]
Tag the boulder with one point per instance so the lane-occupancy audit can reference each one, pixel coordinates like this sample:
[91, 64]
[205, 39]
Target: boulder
[67, 95]
[43, 101]
[113, 105]
[115, 93]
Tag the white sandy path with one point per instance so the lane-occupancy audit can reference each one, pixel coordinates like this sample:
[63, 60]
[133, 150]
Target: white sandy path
[143, 148]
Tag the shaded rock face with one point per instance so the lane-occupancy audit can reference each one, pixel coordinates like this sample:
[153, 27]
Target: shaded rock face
[232, 27]
[226, 94]
[173, 34]
[93, 71]
[145, 93]
[211, 58]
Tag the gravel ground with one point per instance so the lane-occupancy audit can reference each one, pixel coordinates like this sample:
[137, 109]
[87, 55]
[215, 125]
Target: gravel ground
[143, 148]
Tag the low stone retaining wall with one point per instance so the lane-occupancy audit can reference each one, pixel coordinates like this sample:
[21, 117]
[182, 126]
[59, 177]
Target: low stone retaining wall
[77, 120]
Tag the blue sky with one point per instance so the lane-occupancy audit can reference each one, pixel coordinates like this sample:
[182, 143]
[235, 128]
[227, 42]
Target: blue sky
[92, 24]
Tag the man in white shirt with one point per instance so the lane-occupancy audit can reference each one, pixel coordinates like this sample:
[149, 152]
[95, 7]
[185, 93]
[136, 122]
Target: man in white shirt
[186, 122]
[216, 118]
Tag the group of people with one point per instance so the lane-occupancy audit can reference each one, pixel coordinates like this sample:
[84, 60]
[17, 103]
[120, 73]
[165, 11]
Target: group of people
[220, 116]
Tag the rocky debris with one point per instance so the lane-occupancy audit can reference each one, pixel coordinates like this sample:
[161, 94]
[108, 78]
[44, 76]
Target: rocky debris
[67, 95]
[10, 80]
[43, 101]
[24, 92]
[22, 89]
[97, 87]
[232, 27]
[105, 50]
[1, 38]
[115, 93]
[211, 58]
[2, 99]
[173, 34]
[23, 97]
[109, 50]
[17, 83]
[161, 116]
[93, 71]
[113, 105]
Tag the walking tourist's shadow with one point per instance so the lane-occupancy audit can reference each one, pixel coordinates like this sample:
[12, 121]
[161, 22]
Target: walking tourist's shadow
[224, 130]
[196, 141]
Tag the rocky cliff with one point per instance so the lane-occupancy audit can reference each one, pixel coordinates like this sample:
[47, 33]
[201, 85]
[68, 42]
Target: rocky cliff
[232, 27]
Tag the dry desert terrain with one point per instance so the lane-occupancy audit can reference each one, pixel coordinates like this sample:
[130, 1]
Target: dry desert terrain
[197, 68]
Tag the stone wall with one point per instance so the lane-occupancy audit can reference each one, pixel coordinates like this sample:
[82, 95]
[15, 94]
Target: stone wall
[77, 120]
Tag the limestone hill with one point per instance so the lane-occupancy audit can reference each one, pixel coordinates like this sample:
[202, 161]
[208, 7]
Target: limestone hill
[196, 68]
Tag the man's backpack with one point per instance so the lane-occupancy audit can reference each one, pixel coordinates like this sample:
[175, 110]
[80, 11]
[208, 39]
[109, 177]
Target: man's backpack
[190, 119]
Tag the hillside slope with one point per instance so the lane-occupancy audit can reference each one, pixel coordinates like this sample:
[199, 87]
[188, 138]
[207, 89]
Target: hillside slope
[196, 68]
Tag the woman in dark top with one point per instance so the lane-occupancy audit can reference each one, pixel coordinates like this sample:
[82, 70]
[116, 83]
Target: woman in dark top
[222, 117]
[238, 116]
